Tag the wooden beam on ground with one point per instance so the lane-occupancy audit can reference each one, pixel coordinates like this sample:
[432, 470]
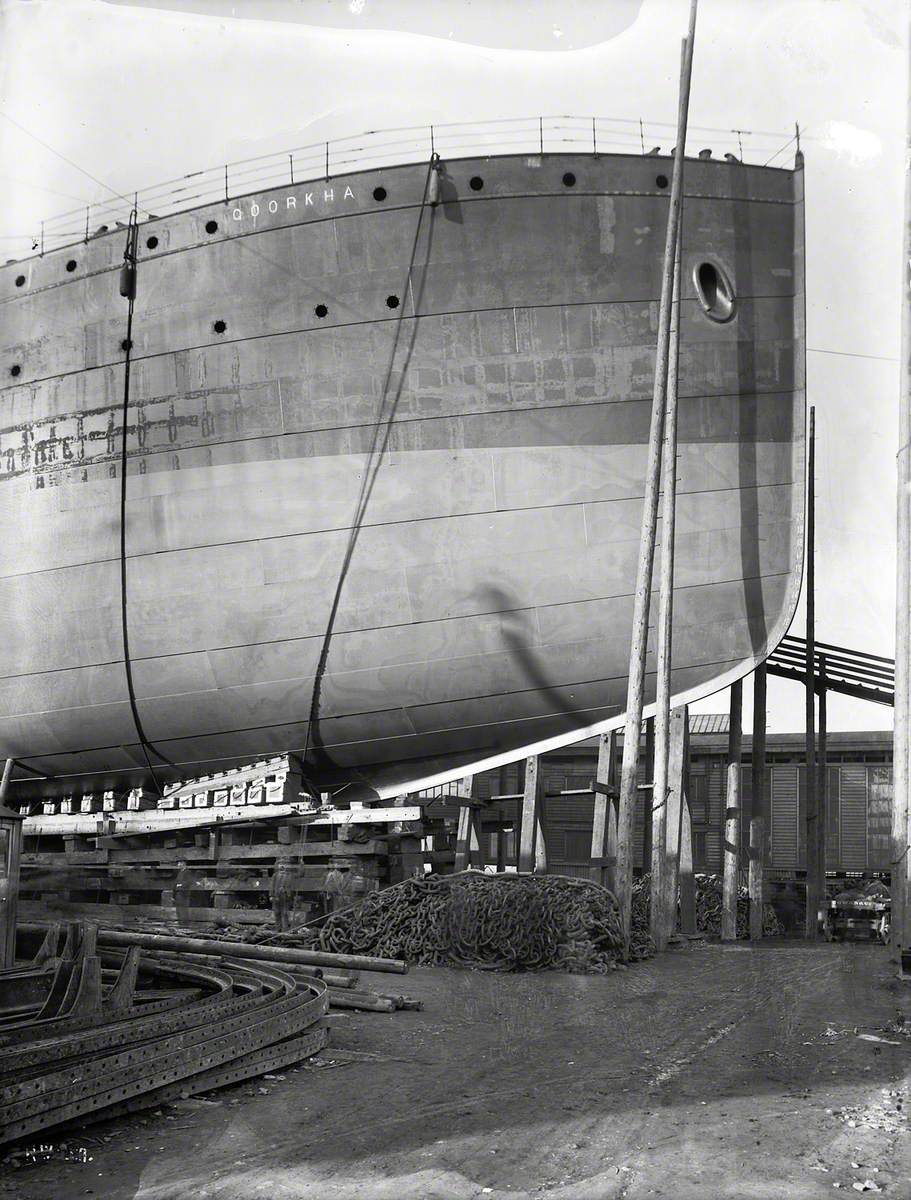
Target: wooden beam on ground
[678, 754]
[529, 822]
[758, 809]
[731, 884]
[604, 858]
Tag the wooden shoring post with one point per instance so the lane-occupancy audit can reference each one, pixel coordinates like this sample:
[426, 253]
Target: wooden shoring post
[758, 807]
[540, 842]
[901, 744]
[476, 855]
[644, 567]
[822, 783]
[529, 824]
[812, 818]
[731, 886]
[602, 868]
[10, 856]
[687, 880]
[463, 840]
[647, 804]
[657, 818]
[678, 756]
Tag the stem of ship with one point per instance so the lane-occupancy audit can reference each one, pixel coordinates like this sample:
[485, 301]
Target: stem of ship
[639, 643]
[663, 922]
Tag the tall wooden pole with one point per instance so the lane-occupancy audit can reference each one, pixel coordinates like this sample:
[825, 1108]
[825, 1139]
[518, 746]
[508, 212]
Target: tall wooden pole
[901, 810]
[759, 806]
[659, 922]
[822, 781]
[642, 597]
[812, 818]
[731, 883]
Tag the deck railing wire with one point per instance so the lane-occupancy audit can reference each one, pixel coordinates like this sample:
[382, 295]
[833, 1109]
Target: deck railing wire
[325, 160]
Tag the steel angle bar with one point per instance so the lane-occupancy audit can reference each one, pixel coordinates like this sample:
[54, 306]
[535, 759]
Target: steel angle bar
[27, 1096]
[143, 1033]
[281, 1054]
[16, 1057]
[169, 1065]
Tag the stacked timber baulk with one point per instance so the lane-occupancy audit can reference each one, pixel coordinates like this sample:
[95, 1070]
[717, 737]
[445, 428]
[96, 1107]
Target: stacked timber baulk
[207, 853]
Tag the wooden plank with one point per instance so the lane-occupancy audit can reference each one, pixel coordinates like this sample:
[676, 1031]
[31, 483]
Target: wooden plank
[529, 819]
[126, 913]
[731, 883]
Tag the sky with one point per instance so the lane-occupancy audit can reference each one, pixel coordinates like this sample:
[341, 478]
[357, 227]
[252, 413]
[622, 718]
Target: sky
[98, 95]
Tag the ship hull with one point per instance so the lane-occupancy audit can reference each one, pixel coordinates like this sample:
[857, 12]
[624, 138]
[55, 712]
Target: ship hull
[396, 540]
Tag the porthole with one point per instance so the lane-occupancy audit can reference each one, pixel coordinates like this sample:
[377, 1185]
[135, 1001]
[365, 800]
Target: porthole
[71, 265]
[715, 291]
[152, 242]
[569, 179]
[379, 193]
[20, 280]
[211, 227]
[661, 181]
[321, 311]
[476, 183]
[220, 326]
[392, 301]
[15, 370]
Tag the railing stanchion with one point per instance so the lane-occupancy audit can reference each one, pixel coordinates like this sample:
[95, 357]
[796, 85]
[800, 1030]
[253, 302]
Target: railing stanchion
[87, 207]
[541, 133]
[641, 136]
[327, 160]
[291, 163]
[432, 147]
[226, 183]
[42, 237]
[594, 138]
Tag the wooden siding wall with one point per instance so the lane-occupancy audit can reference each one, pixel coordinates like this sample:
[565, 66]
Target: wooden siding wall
[858, 817]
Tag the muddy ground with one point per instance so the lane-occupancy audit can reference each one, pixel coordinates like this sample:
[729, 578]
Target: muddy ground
[712, 1072]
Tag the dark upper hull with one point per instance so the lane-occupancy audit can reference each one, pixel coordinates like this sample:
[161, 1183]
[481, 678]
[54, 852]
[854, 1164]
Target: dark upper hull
[487, 603]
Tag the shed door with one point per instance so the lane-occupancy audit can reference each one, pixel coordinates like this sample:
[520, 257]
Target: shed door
[853, 817]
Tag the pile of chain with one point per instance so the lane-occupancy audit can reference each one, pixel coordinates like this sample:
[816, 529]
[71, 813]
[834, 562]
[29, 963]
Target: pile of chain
[641, 943]
[709, 891]
[497, 922]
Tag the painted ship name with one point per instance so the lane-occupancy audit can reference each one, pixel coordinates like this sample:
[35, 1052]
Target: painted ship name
[311, 198]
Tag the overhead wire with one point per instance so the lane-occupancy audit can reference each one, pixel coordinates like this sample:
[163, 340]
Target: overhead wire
[380, 440]
[128, 289]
